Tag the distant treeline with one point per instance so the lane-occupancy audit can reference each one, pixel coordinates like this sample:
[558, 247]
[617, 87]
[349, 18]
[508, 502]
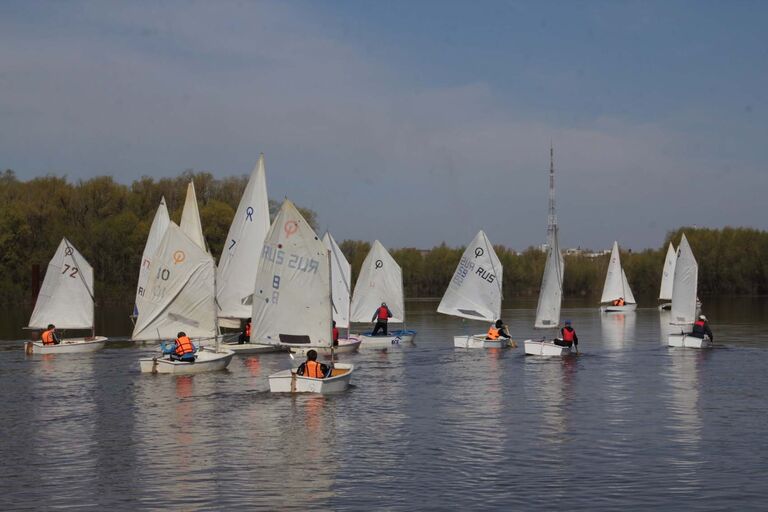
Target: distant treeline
[109, 222]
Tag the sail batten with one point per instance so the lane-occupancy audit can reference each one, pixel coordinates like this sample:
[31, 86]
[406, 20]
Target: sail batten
[474, 291]
[380, 280]
[240, 255]
[66, 295]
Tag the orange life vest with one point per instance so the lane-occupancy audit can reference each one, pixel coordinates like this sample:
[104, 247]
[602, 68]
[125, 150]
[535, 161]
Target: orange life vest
[184, 346]
[248, 330]
[313, 369]
[568, 334]
[620, 302]
[493, 333]
[47, 337]
[383, 313]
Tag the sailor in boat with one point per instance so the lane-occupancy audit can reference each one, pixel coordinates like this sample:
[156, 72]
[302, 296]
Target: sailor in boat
[381, 316]
[245, 336]
[311, 368]
[619, 301]
[701, 327]
[498, 330]
[50, 336]
[568, 336]
[182, 349]
[335, 334]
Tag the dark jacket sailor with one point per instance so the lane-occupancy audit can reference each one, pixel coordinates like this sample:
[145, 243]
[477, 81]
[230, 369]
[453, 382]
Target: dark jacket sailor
[181, 350]
[498, 330]
[311, 368]
[701, 327]
[568, 336]
[381, 317]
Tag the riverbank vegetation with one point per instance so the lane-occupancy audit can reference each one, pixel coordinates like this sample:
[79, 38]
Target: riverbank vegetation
[109, 222]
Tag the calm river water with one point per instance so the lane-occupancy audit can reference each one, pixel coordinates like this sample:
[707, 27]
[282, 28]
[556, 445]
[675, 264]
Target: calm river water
[627, 425]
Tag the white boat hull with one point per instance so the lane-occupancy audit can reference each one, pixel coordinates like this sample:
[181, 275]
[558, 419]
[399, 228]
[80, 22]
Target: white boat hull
[665, 307]
[545, 348]
[406, 336]
[618, 309]
[252, 348]
[67, 346]
[286, 381]
[345, 346]
[479, 341]
[207, 360]
[688, 341]
[380, 342]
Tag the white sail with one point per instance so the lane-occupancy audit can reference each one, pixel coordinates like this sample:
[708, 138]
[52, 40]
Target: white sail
[341, 277]
[380, 280]
[475, 288]
[190, 218]
[629, 298]
[616, 284]
[685, 285]
[156, 232]
[292, 297]
[240, 255]
[551, 293]
[668, 275]
[66, 296]
[180, 291]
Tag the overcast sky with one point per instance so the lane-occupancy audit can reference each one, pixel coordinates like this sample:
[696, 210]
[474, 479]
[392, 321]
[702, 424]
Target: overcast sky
[413, 122]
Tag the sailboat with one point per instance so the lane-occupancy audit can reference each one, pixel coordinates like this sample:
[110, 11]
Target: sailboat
[616, 286]
[341, 273]
[380, 280]
[548, 308]
[156, 232]
[190, 218]
[292, 302]
[684, 306]
[66, 301]
[239, 260]
[667, 277]
[474, 292]
[551, 293]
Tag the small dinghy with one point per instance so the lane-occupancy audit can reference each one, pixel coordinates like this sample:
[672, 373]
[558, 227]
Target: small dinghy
[684, 301]
[346, 346]
[380, 281]
[206, 360]
[66, 301]
[550, 302]
[181, 297]
[292, 303]
[616, 287]
[252, 348]
[474, 292]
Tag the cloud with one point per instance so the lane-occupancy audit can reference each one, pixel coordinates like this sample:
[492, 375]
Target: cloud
[133, 89]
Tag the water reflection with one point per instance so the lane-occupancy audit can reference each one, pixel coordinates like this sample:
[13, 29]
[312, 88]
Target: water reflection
[618, 329]
[549, 383]
[684, 423]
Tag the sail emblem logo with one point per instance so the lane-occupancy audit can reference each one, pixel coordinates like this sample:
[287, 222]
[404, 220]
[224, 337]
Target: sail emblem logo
[290, 228]
[68, 251]
[379, 263]
[179, 257]
[479, 252]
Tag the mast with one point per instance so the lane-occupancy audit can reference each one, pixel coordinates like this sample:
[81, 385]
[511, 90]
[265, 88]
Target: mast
[552, 216]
